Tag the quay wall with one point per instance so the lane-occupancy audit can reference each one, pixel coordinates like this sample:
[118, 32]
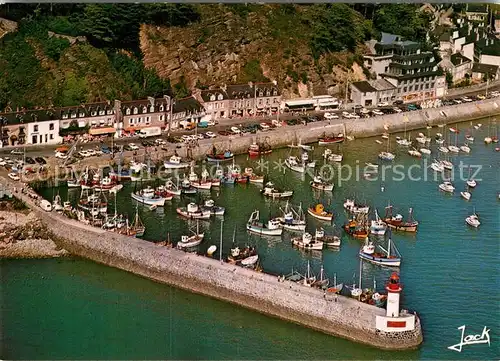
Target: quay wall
[257, 291]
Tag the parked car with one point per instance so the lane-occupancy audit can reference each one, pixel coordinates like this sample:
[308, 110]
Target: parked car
[397, 102]
[466, 99]
[61, 155]
[331, 116]
[383, 104]
[264, 126]
[377, 112]
[13, 176]
[30, 160]
[223, 132]
[495, 93]
[235, 130]
[210, 135]
[457, 101]
[412, 107]
[40, 160]
[17, 152]
[133, 146]
[397, 110]
[160, 142]
[105, 149]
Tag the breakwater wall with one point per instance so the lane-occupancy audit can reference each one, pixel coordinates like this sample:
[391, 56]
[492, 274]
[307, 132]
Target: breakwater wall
[258, 291]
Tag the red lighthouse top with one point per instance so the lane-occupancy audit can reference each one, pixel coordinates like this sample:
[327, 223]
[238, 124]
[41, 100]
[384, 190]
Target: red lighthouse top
[393, 285]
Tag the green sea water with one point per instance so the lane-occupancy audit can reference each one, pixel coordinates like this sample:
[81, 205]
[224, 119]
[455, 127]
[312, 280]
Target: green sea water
[73, 308]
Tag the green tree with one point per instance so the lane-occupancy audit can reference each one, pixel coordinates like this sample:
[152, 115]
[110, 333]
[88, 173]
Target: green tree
[402, 19]
[449, 79]
[181, 89]
[73, 90]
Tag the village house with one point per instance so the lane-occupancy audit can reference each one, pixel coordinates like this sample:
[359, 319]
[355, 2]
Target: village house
[135, 115]
[477, 12]
[93, 118]
[187, 111]
[241, 100]
[482, 72]
[457, 65]
[373, 92]
[413, 72]
[29, 127]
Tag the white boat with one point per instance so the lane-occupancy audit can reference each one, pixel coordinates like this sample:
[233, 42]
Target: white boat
[192, 211]
[378, 141]
[414, 153]
[250, 261]
[389, 257]
[447, 164]
[403, 142]
[466, 195]
[465, 148]
[329, 241]
[175, 162]
[67, 206]
[351, 206]
[45, 205]
[319, 183]
[73, 183]
[488, 140]
[443, 149]
[440, 141]
[272, 192]
[148, 196]
[422, 139]
[171, 187]
[469, 138]
[198, 183]
[437, 166]
[473, 220]
[378, 227]
[292, 162]
[153, 207]
[57, 204]
[116, 188]
[190, 241]
[309, 278]
[471, 183]
[307, 242]
[332, 157]
[425, 151]
[272, 228]
[371, 165]
[214, 210]
[447, 187]
[386, 156]
[292, 220]
[477, 126]
[453, 149]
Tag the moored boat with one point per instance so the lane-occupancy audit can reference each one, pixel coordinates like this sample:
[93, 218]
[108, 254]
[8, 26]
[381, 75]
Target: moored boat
[272, 192]
[378, 227]
[293, 163]
[351, 207]
[325, 140]
[192, 211]
[398, 223]
[357, 228]
[473, 220]
[272, 228]
[320, 184]
[190, 241]
[447, 187]
[329, 241]
[388, 257]
[214, 156]
[214, 210]
[175, 162]
[319, 212]
[292, 219]
[148, 196]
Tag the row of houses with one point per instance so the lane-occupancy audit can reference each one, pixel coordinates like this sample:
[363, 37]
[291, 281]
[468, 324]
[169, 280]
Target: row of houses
[118, 118]
[122, 118]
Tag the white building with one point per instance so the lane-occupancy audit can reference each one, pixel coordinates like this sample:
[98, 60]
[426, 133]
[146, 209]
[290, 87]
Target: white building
[43, 132]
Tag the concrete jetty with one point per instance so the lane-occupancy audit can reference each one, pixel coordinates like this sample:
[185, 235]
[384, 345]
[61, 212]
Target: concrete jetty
[258, 291]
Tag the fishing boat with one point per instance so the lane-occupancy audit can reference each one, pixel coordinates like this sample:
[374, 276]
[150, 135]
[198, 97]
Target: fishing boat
[357, 227]
[378, 227]
[252, 177]
[305, 160]
[57, 204]
[171, 187]
[247, 254]
[191, 241]
[270, 191]
[387, 155]
[329, 241]
[214, 156]
[323, 282]
[192, 211]
[447, 186]
[272, 228]
[388, 257]
[337, 287]
[309, 278]
[473, 220]
[175, 162]
[187, 188]
[106, 184]
[121, 174]
[332, 157]
[214, 210]
[351, 207]
[470, 181]
[319, 212]
[93, 202]
[73, 183]
[320, 184]
[398, 223]
[292, 219]
[137, 226]
[149, 197]
[300, 146]
[254, 150]
[199, 183]
[307, 242]
[325, 140]
[293, 163]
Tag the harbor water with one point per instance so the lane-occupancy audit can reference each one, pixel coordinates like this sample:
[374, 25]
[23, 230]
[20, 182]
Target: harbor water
[73, 308]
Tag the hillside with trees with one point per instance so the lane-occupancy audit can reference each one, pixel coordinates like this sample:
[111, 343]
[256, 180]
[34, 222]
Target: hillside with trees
[66, 54]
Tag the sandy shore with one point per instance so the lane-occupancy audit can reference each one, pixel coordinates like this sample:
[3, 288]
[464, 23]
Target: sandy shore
[22, 235]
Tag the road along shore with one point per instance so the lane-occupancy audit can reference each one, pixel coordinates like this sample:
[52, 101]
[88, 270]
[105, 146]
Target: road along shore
[346, 317]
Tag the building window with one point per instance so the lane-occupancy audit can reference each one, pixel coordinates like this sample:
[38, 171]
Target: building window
[65, 116]
[109, 111]
[35, 128]
[101, 112]
[405, 89]
[51, 126]
[161, 108]
[73, 115]
[81, 114]
[51, 136]
[93, 113]
[127, 111]
[161, 118]
[34, 139]
[148, 120]
[152, 108]
[220, 97]
[144, 110]
[135, 110]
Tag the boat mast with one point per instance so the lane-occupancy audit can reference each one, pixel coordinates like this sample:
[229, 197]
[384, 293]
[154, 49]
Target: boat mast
[220, 246]
[360, 271]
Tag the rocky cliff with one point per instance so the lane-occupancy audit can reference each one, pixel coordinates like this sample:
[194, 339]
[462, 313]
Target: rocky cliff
[227, 47]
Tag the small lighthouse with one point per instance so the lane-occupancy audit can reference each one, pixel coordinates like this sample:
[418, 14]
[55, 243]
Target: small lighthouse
[395, 321]
[394, 289]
